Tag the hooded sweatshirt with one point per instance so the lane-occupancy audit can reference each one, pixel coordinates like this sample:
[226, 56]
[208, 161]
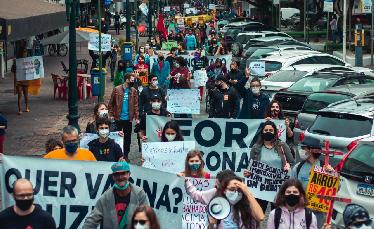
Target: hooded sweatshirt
[291, 220]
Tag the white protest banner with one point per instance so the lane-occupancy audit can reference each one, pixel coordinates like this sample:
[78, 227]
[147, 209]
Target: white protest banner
[265, 181]
[166, 156]
[30, 68]
[70, 189]
[195, 215]
[257, 68]
[226, 60]
[225, 143]
[106, 42]
[87, 137]
[200, 78]
[183, 101]
[328, 6]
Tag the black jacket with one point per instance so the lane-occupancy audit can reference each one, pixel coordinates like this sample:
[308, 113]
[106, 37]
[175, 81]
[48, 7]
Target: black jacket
[108, 151]
[224, 103]
[145, 99]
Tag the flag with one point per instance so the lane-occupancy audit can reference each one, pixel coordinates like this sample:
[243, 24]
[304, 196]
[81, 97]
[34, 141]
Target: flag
[161, 26]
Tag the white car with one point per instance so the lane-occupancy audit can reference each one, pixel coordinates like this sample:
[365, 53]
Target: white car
[243, 38]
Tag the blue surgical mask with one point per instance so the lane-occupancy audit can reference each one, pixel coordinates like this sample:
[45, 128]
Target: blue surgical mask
[194, 166]
[71, 147]
[116, 186]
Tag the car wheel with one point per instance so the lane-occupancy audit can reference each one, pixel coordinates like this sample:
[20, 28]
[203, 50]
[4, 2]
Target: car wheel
[236, 49]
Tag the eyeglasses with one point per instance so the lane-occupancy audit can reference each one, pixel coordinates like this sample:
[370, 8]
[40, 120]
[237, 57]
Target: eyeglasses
[141, 221]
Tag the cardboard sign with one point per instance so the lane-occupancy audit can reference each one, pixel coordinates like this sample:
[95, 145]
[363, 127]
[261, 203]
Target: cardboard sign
[257, 68]
[29, 68]
[200, 78]
[106, 42]
[183, 101]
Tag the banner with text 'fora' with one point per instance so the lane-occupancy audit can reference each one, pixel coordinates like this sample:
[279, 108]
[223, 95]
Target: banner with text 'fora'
[70, 189]
[225, 143]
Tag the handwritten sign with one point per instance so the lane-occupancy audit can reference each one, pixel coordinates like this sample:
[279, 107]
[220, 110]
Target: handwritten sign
[195, 215]
[265, 180]
[200, 78]
[257, 68]
[166, 156]
[321, 183]
[30, 68]
[87, 137]
[183, 101]
[106, 42]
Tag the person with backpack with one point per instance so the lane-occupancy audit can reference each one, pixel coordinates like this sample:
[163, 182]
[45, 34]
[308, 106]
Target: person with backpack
[291, 211]
[309, 154]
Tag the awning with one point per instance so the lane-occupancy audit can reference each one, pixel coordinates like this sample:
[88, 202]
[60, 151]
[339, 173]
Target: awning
[20, 19]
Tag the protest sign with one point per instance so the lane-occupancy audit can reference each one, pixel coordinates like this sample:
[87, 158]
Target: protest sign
[265, 180]
[166, 156]
[30, 68]
[195, 215]
[226, 60]
[106, 42]
[200, 78]
[70, 189]
[226, 143]
[167, 45]
[321, 183]
[183, 101]
[257, 68]
[87, 137]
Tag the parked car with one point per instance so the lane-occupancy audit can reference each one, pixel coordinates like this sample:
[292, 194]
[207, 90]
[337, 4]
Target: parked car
[243, 38]
[293, 98]
[320, 100]
[356, 180]
[343, 125]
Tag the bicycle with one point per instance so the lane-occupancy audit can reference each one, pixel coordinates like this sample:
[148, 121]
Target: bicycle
[57, 49]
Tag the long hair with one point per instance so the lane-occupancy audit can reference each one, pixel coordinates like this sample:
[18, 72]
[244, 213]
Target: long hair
[96, 109]
[187, 170]
[268, 110]
[151, 215]
[280, 199]
[175, 126]
[242, 209]
[260, 140]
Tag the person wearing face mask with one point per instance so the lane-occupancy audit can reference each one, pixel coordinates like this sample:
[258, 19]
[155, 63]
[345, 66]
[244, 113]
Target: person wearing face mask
[105, 148]
[216, 69]
[194, 166]
[115, 208]
[180, 76]
[269, 149]
[200, 62]
[147, 93]
[190, 41]
[291, 211]
[141, 66]
[171, 132]
[355, 217]
[235, 75]
[144, 218]
[25, 214]
[161, 69]
[309, 156]
[119, 76]
[245, 211]
[100, 111]
[223, 100]
[71, 150]
[172, 57]
[142, 52]
[181, 48]
[157, 108]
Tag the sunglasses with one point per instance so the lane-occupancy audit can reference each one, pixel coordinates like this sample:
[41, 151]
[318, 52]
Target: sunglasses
[360, 224]
[141, 222]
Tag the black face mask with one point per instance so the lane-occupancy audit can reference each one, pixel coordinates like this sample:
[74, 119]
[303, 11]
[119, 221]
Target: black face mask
[24, 204]
[316, 155]
[268, 136]
[161, 58]
[292, 199]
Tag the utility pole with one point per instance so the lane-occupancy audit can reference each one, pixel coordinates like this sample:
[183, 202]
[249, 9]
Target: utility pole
[150, 10]
[128, 21]
[73, 117]
[101, 78]
[344, 29]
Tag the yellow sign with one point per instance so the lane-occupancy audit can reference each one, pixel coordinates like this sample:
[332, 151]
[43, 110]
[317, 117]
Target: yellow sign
[358, 38]
[321, 183]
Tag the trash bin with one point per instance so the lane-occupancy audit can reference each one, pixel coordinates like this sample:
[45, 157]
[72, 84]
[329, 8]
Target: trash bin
[95, 81]
[127, 51]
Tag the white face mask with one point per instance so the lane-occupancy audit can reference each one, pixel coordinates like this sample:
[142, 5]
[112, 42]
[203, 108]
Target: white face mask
[170, 137]
[303, 154]
[233, 196]
[176, 65]
[156, 106]
[104, 133]
[155, 83]
[255, 90]
[139, 226]
[103, 113]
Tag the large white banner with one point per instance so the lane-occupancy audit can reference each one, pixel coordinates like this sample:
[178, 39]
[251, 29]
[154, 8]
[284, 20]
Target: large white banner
[30, 68]
[183, 101]
[87, 137]
[166, 156]
[70, 189]
[106, 42]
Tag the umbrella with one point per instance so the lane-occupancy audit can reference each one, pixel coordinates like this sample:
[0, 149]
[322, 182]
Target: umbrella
[63, 38]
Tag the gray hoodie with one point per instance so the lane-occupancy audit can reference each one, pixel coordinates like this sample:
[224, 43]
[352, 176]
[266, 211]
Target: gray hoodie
[105, 212]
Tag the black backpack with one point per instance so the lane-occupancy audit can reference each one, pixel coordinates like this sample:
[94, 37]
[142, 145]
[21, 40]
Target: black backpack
[278, 213]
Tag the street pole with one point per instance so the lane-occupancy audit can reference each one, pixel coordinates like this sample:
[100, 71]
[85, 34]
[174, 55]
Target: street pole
[327, 27]
[150, 10]
[101, 78]
[280, 15]
[344, 29]
[128, 21]
[304, 20]
[73, 116]
[371, 34]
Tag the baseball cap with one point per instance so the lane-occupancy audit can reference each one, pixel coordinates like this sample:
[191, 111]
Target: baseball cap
[120, 166]
[155, 96]
[311, 143]
[353, 212]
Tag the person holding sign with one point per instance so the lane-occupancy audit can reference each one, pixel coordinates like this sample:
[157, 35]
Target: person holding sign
[171, 132]
[194, 166]
[309, 154]
[270, 150]
[21, 87]
[200, 62]
[144, 218]
[180, 76]
[291, 211]
[142, 52]
[161, 69]
[117, 205]
[355, 216]
[145, 103]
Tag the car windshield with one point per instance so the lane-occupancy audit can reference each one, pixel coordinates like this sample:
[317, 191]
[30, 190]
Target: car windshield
[271, 66]
[340, 125]
[318, 101]
[250, 51]
[260, 52]
[312, 84]
[360, 161]
[243, 39]
[233, 31]
[287, 76]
